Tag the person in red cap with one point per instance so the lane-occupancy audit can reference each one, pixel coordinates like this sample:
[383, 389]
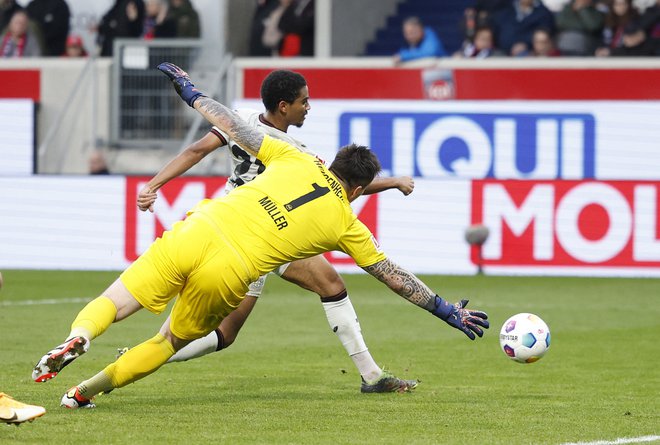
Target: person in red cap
[74, 47]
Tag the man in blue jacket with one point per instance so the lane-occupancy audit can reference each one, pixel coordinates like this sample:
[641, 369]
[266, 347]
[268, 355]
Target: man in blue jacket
[421, 42]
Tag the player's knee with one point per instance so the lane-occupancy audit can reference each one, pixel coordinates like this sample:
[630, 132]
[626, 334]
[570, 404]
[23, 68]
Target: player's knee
[331, 286]
[335, 297]
[225, 339]
[326, 282]
[175, 341]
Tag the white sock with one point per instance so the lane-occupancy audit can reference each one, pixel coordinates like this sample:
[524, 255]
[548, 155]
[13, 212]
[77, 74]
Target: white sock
[196, 348]
[369, 370]
[343, 322]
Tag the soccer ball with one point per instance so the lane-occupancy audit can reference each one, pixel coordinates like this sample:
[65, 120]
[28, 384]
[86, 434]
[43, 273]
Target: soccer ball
[525, 338]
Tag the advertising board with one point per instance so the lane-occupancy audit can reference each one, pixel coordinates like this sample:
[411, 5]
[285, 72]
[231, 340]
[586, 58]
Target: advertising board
[17, 136]
[494, 139]
[537, 227]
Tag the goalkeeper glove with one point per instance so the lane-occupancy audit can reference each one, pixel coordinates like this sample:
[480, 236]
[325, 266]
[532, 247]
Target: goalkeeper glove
[182, 83]
[457, 316]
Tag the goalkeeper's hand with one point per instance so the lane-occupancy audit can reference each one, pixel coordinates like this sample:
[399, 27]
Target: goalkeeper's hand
[468, 321]
[182, 83]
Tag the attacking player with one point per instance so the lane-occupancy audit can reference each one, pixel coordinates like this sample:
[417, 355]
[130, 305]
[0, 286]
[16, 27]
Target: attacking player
[296, 209]
[285, 96]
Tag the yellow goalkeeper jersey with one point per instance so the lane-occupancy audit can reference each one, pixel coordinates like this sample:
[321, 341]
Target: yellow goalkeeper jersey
[296, 209]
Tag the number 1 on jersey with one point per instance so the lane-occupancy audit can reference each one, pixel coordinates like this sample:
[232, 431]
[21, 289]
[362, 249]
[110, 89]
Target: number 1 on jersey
[304, 199]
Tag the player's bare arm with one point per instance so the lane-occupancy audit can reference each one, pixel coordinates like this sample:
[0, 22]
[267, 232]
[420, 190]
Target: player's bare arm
[230, 122]
[183, 162]
[405, 184]
[406, 284]
[403, 283]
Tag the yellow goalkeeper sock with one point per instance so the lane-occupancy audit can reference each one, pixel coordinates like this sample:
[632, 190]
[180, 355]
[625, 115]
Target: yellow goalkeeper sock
[94, 318]
[140, 361]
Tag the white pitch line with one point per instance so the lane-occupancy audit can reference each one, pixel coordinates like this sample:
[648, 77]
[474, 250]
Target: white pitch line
[619, 441]
[44, 301]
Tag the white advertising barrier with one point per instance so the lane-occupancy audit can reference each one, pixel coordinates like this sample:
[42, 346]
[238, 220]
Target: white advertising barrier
[62, 222]
[494, 139]
[92, 223]
[17, 129]
[536, 227]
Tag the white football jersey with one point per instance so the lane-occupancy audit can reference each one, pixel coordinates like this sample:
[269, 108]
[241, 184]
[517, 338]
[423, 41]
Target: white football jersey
[246, 167]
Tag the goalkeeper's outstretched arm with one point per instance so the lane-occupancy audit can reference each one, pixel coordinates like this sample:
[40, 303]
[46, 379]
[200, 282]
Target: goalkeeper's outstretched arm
[403, 283]
[214, 112]
[407, 285]
[230, 122]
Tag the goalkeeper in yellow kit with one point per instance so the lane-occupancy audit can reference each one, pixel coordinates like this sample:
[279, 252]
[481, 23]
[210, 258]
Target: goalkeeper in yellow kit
[296, 209]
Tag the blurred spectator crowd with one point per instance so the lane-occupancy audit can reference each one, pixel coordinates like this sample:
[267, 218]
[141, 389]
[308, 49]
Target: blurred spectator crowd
[283, 28]
[489, 28]
[527, 28]
[42, 27]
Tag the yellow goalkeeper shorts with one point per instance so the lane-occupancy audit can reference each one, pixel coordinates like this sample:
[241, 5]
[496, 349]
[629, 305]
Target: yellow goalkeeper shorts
[195, 261]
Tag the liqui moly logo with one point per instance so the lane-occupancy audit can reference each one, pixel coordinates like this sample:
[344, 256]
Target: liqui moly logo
[568, 223]
[174, 200]
[478, 145]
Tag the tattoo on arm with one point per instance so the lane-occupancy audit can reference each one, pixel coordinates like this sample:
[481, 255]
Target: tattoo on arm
[403, 283]
[229, 122]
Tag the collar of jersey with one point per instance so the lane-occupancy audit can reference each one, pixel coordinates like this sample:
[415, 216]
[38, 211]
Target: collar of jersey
[343, 190]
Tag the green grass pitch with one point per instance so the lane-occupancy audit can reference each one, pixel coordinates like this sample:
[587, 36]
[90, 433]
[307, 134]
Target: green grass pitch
[287, 380]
